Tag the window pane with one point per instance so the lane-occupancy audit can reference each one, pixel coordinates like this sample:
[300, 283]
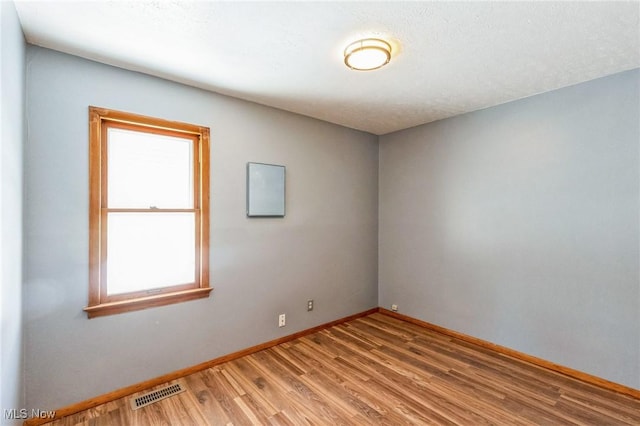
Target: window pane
[147, 170]
[149, 250]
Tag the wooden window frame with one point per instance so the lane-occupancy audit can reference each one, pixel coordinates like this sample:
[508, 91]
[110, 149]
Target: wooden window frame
[100, 303]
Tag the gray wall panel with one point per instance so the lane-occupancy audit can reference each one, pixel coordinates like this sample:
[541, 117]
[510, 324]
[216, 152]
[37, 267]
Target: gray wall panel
[12, 112]
[518, 224]
[325, 248]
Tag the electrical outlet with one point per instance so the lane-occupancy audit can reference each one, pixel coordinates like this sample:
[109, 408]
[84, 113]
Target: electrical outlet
[310, 305]
[282, 320]
[394, 307]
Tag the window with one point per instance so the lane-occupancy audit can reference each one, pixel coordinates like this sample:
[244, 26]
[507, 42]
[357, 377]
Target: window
[148, 213]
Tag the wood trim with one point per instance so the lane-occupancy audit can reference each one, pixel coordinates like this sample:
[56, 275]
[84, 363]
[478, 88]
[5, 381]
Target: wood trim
[570, 372]
[127, 305]
[100, 302]
[204, 157]
[138, 387]
[136, 119]
[95, 196]
[148, 295]
[150, 210]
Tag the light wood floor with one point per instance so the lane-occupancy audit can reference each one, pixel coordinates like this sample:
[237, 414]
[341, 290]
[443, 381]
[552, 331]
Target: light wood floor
[374, 370]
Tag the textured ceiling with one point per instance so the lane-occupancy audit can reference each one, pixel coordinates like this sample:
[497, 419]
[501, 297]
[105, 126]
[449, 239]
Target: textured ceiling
[449, 57]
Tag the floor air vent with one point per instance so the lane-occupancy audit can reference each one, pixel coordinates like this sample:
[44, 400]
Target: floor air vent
[150, 398]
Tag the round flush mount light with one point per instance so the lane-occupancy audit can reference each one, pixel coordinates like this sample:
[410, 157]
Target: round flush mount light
[367, 54]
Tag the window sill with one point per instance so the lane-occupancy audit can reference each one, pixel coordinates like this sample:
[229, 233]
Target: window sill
[119, 307]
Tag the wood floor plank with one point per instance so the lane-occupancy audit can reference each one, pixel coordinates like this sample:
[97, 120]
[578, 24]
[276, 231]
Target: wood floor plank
[199, 385]
[244, 375]
[225, 391]
[374, 370]
[604, 406]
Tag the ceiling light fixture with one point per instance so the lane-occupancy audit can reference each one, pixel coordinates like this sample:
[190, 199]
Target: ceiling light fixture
[367, 54]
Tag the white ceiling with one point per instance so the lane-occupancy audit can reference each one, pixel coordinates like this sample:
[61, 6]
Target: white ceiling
[449, 57]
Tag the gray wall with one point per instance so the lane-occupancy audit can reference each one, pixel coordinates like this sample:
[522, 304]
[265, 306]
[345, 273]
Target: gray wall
[325, 248]
[12, 90]
[518, 224]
